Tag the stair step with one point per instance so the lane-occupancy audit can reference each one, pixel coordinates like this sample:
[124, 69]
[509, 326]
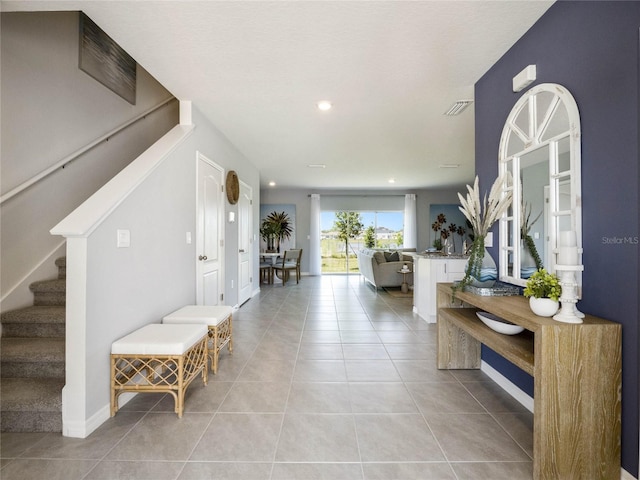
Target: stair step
[36, 321]
[61, 263]
[49, 292]
[31, 404]
[32, 357]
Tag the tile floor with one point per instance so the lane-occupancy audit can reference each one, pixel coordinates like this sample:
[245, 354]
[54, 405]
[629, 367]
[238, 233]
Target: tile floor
[329, 380]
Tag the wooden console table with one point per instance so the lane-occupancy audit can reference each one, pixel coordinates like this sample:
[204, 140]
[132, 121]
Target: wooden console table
[577, 372]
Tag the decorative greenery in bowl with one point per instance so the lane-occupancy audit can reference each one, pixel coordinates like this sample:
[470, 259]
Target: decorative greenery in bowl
[543, 284]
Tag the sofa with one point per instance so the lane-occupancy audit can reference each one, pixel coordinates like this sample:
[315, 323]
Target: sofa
[380, 268]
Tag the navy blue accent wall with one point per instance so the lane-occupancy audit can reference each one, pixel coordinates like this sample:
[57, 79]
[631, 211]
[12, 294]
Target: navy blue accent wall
[592, 48]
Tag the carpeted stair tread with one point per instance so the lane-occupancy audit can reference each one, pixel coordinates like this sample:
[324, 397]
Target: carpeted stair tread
[57, 285]
[31, 394]
[35, 314]
[49, 292]
[35, 350]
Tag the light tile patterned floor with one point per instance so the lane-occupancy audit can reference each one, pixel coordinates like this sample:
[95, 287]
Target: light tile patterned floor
[329, 380]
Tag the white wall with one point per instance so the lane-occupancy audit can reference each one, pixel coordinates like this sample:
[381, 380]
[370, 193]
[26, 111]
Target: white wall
[130, 287]
[50, 109]
[217, 148]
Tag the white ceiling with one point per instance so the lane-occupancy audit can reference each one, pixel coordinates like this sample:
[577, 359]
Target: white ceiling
[390, 68]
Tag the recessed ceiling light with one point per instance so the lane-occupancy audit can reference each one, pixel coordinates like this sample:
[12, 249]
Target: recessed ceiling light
[324, 105]
[317, 165]
[458, 107]
[272, 184]
[450, 165]
[392, 180]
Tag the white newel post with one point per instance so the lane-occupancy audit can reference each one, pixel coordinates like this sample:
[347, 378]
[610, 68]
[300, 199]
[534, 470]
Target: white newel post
[74, 393]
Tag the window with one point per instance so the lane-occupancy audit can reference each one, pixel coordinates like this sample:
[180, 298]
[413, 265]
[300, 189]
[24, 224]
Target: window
[343, 233]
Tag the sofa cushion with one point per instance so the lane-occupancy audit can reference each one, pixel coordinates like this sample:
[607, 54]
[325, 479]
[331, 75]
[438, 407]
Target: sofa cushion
[379, 257]
[392, 256]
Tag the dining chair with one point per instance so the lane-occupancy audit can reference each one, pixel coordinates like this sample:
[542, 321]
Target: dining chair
[290, 261]
[266, 270]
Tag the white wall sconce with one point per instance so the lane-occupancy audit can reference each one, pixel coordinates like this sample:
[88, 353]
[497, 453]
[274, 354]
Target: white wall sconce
[525, 78]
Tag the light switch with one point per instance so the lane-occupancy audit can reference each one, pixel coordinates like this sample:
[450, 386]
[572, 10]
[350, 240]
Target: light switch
[536, 235]
[124, 238]
[188, 238]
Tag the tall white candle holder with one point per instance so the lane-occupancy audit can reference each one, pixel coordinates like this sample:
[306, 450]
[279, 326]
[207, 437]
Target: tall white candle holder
[567, 266]
[568, 312]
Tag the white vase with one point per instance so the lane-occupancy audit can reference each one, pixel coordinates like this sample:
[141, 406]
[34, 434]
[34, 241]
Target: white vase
[543, 307]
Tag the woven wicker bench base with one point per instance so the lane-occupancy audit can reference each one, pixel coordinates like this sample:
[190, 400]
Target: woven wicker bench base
[158, 373]
[218, 319]
[219, 336]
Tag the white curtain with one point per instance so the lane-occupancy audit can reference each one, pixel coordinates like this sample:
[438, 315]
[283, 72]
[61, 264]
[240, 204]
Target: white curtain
[315, 262]
[410, 221]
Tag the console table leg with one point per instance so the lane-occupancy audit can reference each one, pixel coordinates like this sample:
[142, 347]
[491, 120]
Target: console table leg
[456, 348]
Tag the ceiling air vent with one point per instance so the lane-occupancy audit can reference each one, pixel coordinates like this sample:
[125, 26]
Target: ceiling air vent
[458, 107]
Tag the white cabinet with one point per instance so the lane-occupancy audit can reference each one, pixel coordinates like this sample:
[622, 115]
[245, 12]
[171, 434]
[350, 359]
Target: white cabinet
[430, 270]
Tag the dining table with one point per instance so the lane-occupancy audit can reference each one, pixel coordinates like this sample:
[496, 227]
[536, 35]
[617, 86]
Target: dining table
[273, 256]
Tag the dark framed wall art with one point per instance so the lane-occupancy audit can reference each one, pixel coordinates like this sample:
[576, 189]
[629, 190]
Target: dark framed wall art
[104, 60]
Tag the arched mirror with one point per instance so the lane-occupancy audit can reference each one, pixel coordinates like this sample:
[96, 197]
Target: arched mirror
[540, 146]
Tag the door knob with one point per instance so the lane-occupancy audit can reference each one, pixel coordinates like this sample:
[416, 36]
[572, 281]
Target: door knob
[241, 250]
[202, 257]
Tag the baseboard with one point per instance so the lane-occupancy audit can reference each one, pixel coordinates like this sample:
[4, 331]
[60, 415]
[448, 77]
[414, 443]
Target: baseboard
[624, 475]
[82, 429]
[520, 396]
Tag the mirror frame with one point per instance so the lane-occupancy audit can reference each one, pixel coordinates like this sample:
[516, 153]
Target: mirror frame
[532, 140]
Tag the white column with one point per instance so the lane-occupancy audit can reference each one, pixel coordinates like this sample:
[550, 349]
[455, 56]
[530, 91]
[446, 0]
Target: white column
[410, 221]
[315, 262]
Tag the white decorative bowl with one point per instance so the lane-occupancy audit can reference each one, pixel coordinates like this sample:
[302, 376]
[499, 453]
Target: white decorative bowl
[498, 324]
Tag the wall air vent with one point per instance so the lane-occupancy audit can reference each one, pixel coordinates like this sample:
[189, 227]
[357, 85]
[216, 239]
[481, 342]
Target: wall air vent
[458, 107]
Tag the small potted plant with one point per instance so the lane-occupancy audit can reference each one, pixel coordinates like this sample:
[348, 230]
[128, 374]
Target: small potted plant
[543, 290]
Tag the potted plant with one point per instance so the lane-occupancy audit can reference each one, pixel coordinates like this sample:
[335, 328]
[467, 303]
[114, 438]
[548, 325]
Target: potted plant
[268, 232]
[543, 290]
[276, 227]
[481, 268]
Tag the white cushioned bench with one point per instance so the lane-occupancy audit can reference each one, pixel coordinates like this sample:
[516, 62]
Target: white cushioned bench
[218, 318]
[159, 358]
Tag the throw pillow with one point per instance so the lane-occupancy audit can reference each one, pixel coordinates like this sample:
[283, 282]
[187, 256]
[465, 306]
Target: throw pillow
[379, 256]
[392, 256]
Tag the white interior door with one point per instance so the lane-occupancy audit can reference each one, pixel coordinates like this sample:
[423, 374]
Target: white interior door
[245, 243]
[210, 233]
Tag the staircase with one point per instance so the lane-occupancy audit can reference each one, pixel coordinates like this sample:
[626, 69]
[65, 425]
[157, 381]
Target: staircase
[32, 359]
